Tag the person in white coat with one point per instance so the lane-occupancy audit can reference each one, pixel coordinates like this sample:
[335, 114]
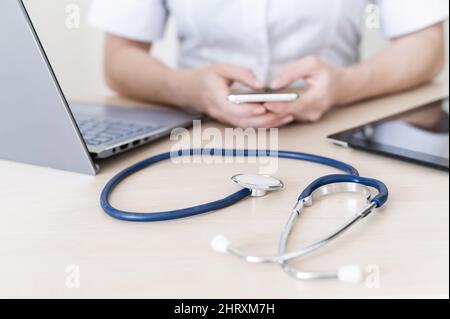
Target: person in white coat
[268, 43]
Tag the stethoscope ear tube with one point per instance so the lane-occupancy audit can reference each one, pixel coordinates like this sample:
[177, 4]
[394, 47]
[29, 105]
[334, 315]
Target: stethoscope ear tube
[379, 200]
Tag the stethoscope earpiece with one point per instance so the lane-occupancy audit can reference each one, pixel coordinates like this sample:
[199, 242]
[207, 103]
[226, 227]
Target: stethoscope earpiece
[220, 244]
[352, 274]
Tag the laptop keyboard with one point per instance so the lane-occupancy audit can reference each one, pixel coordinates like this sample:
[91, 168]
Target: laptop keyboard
[97, 131]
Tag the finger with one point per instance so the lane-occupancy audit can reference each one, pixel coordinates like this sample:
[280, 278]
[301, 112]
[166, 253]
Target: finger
[294, 72]
[307, 101]
[240, 74]
[243, 109]
[310, 116]
[283, 108]
[312, 108]
[268, 120]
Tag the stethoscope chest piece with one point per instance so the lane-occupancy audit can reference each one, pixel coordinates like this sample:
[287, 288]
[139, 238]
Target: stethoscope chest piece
[258, 184]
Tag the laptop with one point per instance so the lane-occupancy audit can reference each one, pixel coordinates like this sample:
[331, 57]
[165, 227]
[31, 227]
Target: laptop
[419, 135]
[39, 126]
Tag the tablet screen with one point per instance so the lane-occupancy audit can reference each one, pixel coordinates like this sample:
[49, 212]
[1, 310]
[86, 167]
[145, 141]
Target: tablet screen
[420, 135]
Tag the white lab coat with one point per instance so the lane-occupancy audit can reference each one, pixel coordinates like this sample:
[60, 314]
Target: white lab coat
[264, 35]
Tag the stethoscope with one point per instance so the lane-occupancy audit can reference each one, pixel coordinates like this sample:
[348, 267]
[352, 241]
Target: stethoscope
[257, 186]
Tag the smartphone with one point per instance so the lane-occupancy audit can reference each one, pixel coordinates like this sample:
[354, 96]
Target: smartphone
[263, 96]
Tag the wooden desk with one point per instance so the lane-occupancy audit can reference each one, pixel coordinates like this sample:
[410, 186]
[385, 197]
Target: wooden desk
[52, 219]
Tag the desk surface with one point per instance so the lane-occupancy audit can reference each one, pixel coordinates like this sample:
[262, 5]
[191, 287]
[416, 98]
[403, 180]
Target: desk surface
[52, 221]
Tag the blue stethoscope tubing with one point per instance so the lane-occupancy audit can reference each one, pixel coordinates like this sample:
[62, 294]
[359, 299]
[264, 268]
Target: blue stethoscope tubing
[351, 176]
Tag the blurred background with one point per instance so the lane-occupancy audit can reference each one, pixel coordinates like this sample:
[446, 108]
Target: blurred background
[75, 49]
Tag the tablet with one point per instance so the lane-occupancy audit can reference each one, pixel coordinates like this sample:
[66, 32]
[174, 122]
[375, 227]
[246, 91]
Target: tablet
[420, 135]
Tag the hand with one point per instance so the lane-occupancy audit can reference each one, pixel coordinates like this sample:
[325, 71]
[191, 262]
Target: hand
[207, 89]
[326, 88]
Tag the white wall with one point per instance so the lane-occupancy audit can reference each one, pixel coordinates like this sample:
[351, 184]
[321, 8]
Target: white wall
[76, 53]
